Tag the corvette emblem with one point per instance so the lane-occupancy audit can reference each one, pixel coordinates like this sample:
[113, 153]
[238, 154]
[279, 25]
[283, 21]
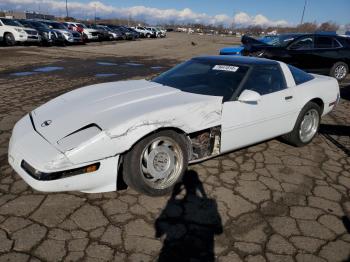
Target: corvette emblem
[46, 123]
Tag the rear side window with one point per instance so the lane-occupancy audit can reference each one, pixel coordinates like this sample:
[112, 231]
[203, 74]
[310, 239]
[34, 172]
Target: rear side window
[323, 42]
[299, 75]
[326, 42]
[265, 80]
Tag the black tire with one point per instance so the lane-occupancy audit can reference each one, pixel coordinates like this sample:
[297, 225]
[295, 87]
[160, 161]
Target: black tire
[339, 66]
[132, 166]
[9, 39]
[85, 38]
[148, 35]
[293, 137]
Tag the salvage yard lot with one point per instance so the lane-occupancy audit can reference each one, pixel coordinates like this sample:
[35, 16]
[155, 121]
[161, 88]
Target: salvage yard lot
[267, 202]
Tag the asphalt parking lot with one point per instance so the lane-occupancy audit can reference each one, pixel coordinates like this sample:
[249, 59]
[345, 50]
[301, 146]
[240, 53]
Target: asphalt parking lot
[267, 202]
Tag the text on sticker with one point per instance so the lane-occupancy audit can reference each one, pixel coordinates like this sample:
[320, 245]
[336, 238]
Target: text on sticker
[226, 68]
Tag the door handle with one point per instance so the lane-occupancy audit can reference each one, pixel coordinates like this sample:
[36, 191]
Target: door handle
[288, 97]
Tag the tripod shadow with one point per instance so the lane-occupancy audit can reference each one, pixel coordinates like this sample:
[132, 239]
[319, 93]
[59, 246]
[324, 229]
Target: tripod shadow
[336, 130]
[188, 223]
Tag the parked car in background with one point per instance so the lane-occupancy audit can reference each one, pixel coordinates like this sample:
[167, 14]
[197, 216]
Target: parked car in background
[103, 33]
[12, 32]
[129, 34]
[155, 32]
[117, 30]
[74, 27]
[162, 31]
[137, 34]
[140, 132]
[318, 53]
[117, 33]
[276, 40]
[48, 36]
[143, 31]
[89, 34]
[33, 35]
[69, 36]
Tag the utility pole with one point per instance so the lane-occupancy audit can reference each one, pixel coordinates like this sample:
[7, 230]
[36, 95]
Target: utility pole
[302, 17]
[67, 8]
[95, 14]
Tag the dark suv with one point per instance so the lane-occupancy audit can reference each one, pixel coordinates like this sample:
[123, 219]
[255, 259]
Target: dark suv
[48, 36]
[318, 53]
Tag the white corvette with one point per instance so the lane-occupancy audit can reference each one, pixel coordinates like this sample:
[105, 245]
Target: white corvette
[146, 132]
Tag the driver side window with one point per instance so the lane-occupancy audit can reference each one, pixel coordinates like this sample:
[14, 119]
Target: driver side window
[303, 43]
[265, 80]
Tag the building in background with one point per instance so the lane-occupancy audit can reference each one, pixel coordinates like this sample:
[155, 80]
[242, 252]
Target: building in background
[25, 15]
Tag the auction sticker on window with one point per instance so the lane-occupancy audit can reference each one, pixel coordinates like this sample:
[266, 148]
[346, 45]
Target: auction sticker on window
[226, 68]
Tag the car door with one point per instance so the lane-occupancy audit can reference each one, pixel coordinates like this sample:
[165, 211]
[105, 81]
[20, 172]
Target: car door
[300, 52]
[246, 123]
[326, 53]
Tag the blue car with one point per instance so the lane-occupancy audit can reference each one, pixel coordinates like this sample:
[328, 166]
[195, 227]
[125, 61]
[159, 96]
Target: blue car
[268, 40]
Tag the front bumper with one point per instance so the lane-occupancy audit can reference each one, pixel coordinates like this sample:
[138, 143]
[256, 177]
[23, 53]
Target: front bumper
[32, 38]
[74, 40]
[92, 37]
[21, 37]
[27, 145]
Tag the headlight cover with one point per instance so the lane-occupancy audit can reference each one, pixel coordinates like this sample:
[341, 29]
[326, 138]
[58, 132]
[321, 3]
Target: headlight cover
[42, 176]
[19, 30]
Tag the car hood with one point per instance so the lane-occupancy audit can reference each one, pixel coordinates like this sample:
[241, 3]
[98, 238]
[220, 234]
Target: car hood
[231, 50]
[62, 31]
[111, 106]
[250, 42]
[89, 30]
[30, 29]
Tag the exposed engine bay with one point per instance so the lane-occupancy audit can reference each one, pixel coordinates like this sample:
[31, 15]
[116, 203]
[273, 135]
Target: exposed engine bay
[205, 143]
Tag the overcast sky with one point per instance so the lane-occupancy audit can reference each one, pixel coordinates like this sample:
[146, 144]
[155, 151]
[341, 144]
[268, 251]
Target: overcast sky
[241, 12]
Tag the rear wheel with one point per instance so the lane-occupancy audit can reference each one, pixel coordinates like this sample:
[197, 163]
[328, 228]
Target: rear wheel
[306, 126]
[9, 39]
[156, 163]
[339, 71]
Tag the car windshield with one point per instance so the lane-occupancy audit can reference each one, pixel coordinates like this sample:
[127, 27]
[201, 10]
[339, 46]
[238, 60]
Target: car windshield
[21, 24]
[205, 78]
[39, 25]
[82, 25]
[9, 22]
[58, 26]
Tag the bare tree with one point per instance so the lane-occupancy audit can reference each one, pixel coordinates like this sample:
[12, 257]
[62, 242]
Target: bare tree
[328, 26]
[307, 27]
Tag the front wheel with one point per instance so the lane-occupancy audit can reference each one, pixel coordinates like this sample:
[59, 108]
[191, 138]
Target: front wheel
[9, 39]
[306, 126]
[339, 71]
[156, 163]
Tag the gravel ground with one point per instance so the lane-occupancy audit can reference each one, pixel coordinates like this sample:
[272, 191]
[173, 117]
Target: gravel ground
[267, 202]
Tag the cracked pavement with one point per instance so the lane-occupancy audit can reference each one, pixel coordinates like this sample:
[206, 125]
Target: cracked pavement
[267, 202]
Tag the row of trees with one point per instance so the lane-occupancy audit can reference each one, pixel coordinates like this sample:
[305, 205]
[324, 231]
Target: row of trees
[308, 27]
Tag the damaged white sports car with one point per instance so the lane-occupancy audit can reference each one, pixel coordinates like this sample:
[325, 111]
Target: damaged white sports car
[146, 132]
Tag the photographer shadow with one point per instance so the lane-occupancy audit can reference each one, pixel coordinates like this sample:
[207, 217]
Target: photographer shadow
[188, 223]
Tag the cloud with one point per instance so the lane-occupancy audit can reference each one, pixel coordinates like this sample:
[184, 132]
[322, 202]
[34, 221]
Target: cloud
[244, 19]
[147, 14]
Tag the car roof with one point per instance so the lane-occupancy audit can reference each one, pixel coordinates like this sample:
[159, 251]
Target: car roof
[241, 60]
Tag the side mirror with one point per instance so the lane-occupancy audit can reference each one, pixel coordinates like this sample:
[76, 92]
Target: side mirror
[249, 96]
